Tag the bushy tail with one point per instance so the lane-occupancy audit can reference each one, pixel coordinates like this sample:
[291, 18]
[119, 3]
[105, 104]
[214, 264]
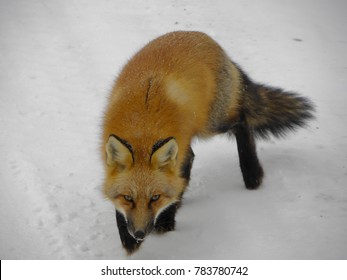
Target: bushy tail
[273, 111]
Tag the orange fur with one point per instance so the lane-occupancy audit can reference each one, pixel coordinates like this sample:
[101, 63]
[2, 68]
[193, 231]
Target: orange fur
[167, 89]
[180, 86]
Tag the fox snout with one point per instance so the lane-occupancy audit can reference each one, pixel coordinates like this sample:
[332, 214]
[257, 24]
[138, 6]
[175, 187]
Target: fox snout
[139, 233]
[132, 234]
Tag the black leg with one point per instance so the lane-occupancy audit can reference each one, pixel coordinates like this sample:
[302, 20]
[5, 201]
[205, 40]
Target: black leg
[187, 165]
[252, 171]
[166, 220]
[129, 243]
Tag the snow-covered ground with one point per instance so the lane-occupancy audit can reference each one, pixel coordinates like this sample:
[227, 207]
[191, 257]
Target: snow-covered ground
[58, 60]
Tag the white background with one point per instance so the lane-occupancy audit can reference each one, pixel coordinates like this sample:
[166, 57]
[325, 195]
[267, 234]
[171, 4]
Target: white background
[58, 60]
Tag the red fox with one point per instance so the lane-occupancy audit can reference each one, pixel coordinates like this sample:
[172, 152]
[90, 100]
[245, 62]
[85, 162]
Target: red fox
[180, 86]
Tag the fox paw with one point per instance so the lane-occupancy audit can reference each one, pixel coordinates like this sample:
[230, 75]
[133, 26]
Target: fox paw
[253, 180]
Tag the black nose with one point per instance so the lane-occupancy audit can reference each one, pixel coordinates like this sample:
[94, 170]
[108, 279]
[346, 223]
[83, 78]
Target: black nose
[139, 234]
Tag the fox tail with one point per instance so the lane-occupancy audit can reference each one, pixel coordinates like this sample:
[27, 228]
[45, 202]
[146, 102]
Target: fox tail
[272, 111]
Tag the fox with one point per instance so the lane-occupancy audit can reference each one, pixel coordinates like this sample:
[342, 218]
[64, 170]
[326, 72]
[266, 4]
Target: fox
[180, 87]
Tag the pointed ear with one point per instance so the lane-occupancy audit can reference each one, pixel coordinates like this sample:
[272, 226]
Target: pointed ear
[118, 152]
[164, 153]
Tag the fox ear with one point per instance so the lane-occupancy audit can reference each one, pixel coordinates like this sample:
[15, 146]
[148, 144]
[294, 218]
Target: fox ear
[164, 153]
[118, 152]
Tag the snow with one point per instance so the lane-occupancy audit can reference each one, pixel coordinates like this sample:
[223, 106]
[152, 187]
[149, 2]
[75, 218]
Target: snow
[58, 60]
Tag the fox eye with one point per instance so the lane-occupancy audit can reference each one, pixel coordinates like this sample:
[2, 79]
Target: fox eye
[128, 198]
[155, 197]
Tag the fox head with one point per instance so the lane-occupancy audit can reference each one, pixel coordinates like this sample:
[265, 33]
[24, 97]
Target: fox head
[145, 191]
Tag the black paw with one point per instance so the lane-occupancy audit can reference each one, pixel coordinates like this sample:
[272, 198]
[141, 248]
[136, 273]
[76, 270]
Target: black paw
[254, 178]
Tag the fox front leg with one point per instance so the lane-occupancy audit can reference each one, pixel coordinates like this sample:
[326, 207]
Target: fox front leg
[130, 244]
[166, 220]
